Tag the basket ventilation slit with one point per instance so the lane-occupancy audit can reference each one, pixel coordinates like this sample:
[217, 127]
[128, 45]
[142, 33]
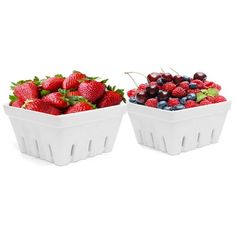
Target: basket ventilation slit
[37, 148]
[23, 144]
[72, 150]
[152, 139]
[90, 145]
[50, 151]
[198, 138]
[212, 135]
[105, 142]
[164, 144]
[183, 141]
[141, 136]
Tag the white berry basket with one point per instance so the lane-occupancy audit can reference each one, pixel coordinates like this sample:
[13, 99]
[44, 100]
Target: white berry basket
[66, 138]
[174, 132]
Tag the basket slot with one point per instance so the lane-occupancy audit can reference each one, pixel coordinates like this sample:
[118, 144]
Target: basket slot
[90, 146]
[212, 135]
[198, 139]
[22, 144]
[152, 139]
[183, 142]
[72, 150]
[140, 137]
[37, 148]
[51, 153]
[163, 146]
[105, 142]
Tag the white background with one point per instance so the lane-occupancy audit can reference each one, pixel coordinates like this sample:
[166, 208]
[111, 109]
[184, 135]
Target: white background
[133, 190]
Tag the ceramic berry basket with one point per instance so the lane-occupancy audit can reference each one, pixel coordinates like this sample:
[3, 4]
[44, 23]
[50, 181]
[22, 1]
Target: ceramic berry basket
[174, 132]
[66, 138]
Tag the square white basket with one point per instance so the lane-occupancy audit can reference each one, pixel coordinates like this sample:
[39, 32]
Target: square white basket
[174, 132]
[66, 138]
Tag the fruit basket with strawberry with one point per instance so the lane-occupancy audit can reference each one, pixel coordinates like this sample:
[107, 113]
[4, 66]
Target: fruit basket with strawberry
[175, 113]
[65, 119]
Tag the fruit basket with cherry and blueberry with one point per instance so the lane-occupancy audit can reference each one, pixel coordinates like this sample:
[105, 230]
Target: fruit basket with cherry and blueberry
[175, 113]
[65, 119]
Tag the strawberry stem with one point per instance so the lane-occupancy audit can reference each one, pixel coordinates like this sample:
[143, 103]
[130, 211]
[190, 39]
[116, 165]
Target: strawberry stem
[174, 71]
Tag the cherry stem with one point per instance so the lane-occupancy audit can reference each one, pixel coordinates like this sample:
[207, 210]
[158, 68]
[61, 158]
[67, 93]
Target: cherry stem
[128, 73]
[174, 71]
[162, 70]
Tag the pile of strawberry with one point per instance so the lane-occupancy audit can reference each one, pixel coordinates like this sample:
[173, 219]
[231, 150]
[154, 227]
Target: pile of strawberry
[175, 92]
[59, 95]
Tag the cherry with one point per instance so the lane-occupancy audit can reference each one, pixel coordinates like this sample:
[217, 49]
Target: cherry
[200, 76]
[152, 90]
[163, 95]
[141, 96]
[178, 79]
[153, 77]
[167, 77]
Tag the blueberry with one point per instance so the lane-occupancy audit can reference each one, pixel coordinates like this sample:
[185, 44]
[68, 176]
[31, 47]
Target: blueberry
[183, 100]
[179, 107]
[160, 81]
[186, 78]
[192, 96]
[162, 104]
[132, 99]
[167, 108]
[193, 85]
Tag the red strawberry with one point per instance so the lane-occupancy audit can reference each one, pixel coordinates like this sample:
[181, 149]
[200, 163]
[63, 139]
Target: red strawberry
[151, 102]
[26, 90]
[73, 93]
[41, 106]
[53, 83]
[184, 85]
[173, 102]
[92, 90]
[219, 98]
[193, 91]
[80, 106]
[190, 104]
[199, 83]
[142, 86]
[111, 97]
[205, 102]
[73, 81]
[56, 99]
[131, 93]
[178, 92]
[17, 103]
[168, 86]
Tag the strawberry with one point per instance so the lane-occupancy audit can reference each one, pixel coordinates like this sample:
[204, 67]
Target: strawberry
[80, 106]
[168, 86]
[56, 99]
[92, 90]
[190, 104]
[210, 99]
[219, 98]
[173, 102]
[73, 81]
[131, 93]
[210, 84]
[184, 85]
[111, 97]
[53, 83]
[73, 93]
[178, 92]
[17, 103]
[151, 102]
[40, 106]
[25, 90]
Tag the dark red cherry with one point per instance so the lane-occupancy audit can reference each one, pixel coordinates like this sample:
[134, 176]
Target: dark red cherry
[152, 90]
[178, 79]
[167, 77]
[141, 96]
[153, 77]
[163, 95]
[200, 76]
